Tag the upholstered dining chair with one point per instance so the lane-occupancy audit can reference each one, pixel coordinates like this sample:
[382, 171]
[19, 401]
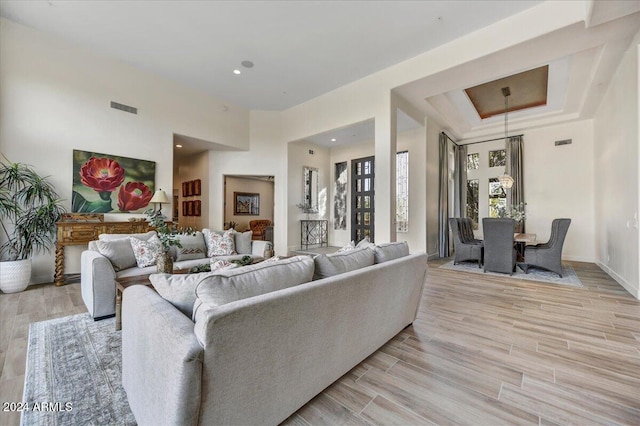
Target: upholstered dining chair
[499, 253]
[258, 227]
[548, 255]
[465, 248]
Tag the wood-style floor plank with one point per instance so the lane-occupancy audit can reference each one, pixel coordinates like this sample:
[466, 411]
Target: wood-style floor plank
[483, 350]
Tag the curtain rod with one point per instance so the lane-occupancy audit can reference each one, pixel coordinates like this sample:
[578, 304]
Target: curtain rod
[487, 140]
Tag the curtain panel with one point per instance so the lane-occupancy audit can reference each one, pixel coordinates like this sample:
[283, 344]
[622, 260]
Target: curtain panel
[514, 168]
[443, 198]
[460, 181]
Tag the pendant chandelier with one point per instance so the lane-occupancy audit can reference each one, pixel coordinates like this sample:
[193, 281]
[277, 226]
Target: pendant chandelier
[505, 180]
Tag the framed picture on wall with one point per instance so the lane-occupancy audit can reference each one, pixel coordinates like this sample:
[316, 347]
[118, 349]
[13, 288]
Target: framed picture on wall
[184, 209]
[197, 208]
[189, 208]
[246, 203]
[197, 187]
[186, 189]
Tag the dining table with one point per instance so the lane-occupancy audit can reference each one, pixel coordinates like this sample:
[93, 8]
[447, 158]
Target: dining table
[521, 240]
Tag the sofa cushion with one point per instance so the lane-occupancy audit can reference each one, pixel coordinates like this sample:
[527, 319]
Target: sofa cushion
[144, 236]
[339, 263]
[119, 253]
[389, 251]
[193, 247]
[348, 247]
[178, 289]
[219, 245]
[146, 252]
[243, 241]
[230, 285]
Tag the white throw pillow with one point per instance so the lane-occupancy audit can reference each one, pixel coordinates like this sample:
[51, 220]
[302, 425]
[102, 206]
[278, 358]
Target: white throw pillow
[348, 247]
[339, 263]
[118, 252]
[146, 252]
[219, 245]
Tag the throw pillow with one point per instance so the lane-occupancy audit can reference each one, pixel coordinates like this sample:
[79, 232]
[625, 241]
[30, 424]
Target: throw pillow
[178, 289]
[389, 251]
[348, 247]
[365, 243]
[119, 253]
[193, 247]
[219, 245]
[146, 252]
[243, 241]
[241, 283]
[219, 265]
[339, 263]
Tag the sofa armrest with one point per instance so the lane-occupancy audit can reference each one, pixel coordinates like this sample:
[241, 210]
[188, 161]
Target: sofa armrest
[97, 283]
[161, 360]
[258, 247]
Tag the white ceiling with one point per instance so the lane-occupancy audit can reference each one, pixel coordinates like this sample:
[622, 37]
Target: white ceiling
[302, 49]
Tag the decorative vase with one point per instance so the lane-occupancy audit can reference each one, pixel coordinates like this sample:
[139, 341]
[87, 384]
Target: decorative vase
[164, 263]
[15, 275]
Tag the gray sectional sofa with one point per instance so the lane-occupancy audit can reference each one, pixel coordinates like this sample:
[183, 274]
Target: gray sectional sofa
[110, 257]
[252, 345]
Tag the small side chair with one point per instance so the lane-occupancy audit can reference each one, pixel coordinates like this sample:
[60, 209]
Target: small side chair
[548, 255]
[499, 253]
[466, 247]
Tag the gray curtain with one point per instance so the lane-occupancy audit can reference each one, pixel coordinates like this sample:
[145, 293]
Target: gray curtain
[514, 148]
[443, 198]
[460, 179]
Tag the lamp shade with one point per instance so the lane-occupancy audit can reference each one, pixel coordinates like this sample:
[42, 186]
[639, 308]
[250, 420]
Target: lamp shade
[159, 197]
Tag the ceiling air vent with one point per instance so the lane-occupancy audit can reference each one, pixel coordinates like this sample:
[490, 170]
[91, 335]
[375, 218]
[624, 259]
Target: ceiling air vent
[125, 108]
[563, 142]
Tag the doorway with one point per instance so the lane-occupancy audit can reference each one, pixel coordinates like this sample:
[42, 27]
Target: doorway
[362, 198]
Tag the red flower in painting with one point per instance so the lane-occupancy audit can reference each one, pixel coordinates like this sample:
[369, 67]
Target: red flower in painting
[133, 196]
[102, 174]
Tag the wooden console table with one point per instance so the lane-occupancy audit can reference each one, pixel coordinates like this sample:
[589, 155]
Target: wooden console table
[314, 231]
[77, 229]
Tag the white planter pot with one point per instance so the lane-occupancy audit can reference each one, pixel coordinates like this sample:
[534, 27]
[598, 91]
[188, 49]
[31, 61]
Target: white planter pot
[15, 275]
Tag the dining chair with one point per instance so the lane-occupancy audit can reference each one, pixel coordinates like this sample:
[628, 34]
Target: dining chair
[465, 248]
[548, 255]
[499, 253]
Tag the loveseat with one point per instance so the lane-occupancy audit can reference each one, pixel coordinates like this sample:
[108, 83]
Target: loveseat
[252, 345]
[111, 257]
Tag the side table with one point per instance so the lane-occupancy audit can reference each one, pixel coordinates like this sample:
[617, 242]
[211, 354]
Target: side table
[121, 284]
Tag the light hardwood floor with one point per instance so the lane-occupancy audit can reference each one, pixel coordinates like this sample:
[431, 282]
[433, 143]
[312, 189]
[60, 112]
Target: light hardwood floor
[484, 350]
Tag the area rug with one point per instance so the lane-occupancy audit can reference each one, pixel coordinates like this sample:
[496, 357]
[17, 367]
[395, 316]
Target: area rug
[74, 375]
[569, 276]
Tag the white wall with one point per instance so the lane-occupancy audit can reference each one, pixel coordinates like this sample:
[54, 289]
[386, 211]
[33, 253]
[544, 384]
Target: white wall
[298, 157]
[257, 186]
[616, 184]
[558, 182]
[268, 157]
[412, 141]
[56, 97]
[190, 168]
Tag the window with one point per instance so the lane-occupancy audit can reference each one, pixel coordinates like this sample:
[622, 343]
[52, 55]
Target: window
[402, 191]
[473, 161]
[497, 197]
[473, 192]
[497, 158]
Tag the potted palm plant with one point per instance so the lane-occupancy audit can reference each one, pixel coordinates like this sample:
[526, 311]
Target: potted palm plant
[29, 209]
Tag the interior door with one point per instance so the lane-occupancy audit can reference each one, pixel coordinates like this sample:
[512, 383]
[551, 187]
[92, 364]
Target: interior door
[362, 198]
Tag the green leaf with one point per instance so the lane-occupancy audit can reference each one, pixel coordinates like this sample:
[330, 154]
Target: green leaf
[81, 205]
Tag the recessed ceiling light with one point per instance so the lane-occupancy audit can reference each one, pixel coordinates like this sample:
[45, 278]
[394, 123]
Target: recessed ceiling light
[178, 145]
[236, 72]
[247, 64]
[333, 139]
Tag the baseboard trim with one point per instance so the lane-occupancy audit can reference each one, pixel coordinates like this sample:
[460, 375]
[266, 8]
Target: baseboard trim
[624, 283]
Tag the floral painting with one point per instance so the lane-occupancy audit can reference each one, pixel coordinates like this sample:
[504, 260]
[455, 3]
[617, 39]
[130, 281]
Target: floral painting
[105, 183]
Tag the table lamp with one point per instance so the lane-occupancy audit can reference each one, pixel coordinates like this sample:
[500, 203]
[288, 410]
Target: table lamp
[159, 197]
